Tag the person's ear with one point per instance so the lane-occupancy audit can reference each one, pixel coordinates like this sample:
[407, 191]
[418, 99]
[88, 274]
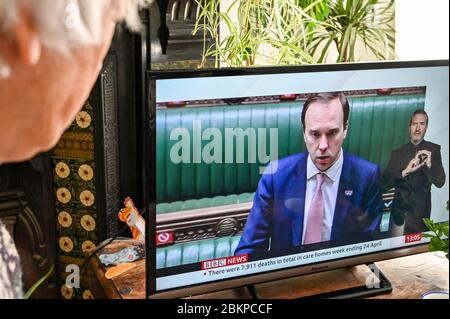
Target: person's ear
[26, 38]
[345, 129]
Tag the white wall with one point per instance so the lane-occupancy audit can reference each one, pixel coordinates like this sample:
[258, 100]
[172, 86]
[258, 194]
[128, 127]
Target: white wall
[422, 29]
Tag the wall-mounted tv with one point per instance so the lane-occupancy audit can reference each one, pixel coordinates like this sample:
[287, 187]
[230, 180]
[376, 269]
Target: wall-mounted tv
[259, 174]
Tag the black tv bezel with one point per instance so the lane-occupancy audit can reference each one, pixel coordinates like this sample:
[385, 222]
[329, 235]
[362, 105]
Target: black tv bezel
[149, 169]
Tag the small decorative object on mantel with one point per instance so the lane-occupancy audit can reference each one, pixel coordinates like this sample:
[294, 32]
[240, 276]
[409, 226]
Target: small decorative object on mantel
[128, 254]
[131, 215]
[116, 271]
[123, 259]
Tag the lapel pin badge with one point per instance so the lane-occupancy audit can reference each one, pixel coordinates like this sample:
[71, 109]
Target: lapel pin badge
[348, 192]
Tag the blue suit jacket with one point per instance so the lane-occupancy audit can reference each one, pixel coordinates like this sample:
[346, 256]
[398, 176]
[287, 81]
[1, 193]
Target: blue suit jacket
[276, 219]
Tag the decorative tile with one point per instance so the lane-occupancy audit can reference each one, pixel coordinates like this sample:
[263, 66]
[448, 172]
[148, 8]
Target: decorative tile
[66, 292]
[87, 294]
[76, 211]
[83, 119]
[75, 145]
[64, 219]
[66, 244]
[87, 222]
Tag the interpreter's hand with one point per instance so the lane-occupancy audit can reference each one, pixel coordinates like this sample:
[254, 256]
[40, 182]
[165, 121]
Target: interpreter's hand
[413, 166]
[428, 157]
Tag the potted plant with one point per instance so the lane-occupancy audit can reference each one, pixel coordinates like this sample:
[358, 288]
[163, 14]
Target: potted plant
[295, 31]
[255, 27]
[439, 235]
[349, 22]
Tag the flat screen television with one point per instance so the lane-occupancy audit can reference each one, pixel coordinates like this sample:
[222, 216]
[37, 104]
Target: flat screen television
[257, 174]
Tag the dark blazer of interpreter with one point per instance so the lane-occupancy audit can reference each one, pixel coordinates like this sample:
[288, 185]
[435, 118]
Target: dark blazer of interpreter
[276, 219]
[412, 200]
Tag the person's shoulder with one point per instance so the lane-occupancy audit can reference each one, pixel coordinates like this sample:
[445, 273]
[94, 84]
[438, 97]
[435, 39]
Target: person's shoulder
[292, 161]
[288, 164]
[431, 146]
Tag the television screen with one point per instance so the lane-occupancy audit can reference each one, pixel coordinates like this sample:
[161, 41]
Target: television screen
[259, 174]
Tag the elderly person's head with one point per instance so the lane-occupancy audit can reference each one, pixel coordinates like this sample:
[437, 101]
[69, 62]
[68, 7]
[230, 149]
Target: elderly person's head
[51, 52]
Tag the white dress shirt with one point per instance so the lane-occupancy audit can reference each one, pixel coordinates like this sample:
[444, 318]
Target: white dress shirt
[330, 188]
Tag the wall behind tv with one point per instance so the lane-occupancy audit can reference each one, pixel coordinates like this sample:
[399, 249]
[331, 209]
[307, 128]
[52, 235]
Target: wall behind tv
[95, 162]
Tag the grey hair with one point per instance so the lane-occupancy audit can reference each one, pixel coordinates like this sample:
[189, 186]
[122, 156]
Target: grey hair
[65, 24]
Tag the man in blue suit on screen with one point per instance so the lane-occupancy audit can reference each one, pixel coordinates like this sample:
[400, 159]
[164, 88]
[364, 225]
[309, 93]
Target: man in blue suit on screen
[318, 196]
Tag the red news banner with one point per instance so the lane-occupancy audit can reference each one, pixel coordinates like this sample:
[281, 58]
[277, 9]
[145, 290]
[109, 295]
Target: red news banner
[410, 238]
[223, 262]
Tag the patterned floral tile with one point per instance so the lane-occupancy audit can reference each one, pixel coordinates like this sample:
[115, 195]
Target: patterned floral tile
[75, 199]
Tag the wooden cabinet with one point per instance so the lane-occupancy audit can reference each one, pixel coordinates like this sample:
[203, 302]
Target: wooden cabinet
[26, 208]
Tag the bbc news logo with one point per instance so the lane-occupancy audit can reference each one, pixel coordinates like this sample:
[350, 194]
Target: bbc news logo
[410, 238]
[223, 262]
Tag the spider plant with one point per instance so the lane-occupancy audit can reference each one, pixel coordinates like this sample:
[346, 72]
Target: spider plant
[280, 27]
[351, 21]
[295, 31]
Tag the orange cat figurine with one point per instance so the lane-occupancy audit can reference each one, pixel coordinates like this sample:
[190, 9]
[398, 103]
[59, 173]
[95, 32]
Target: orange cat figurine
[130, 215]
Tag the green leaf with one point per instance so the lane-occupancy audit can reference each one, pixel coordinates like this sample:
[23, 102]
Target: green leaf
[445, 230]
[436, 244]
[33, 288]
[430, 224]
[325, 50]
